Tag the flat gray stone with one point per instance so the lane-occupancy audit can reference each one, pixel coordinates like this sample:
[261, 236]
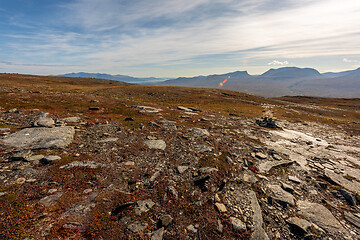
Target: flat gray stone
[182, 169]
[106, 140]
[35, 158]
[50, 159]
[137, 227]
[282, 196]
[260, 155]
[87, 164]
[300, 224]
[204, 148]
[287, 187]
[200, 132]
[158, 234]
[156, 144]
[71, 119]
[321, 216]
[44, 122]
[294, 179]
[143, 206]
[48, 201]
[40, 138]
[237, 224]
[340, 180]
[259, 232]
[266, 166]
[165, 220]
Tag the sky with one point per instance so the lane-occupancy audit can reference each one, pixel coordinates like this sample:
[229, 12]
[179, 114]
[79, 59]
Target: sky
[173, 38]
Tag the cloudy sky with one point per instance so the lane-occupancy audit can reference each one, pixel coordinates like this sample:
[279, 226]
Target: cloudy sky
[170, 38]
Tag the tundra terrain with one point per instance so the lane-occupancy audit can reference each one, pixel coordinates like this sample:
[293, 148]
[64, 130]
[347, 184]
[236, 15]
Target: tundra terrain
[99, 159]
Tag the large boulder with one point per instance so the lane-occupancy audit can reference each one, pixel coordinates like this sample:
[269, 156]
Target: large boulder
[39, 138]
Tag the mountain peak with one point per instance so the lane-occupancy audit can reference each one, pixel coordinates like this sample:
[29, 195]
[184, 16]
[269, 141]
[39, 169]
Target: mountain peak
[291, 72]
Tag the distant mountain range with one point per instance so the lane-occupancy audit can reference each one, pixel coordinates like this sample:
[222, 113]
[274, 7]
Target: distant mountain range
[122, 78]
[290, 81]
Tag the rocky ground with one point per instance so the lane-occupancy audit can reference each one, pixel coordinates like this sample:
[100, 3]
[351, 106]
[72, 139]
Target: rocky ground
[125, 163]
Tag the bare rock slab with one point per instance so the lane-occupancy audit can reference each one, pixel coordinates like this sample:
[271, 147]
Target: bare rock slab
[340, 180]
[266, 166]
[137, 227]
[259, 232]
[321, 216]
[40, 138]
[281, 195]
[51, 200]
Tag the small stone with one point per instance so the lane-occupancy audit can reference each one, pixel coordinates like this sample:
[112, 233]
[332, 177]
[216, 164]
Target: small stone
[172, 191]
[220, 227]
[157, 235]
[156, 144]
[51, 200]
[53, 190]
[137, 227]
[294, 179]
[44, 122]
[181, 169]
[287, 187]
[277, 157]
[237, 224]
[191, 228]
[87, 191]
[249, 178]
[71, 119]
[21, 155]
[220, 207]
[260, 155]
[300, 225]
[20, 181]
[94, 108]
[165, 220]
[129, 164]
[143, 206]
[129, 119]
[49, 159]
[35, 158]
[106, 140]
[282, 196]
[217, 198]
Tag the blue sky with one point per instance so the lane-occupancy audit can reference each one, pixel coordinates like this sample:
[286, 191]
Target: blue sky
[177, 37]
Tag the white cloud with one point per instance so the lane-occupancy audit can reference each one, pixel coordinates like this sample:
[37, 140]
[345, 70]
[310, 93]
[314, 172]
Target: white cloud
[349, 61]
[256, 29]
[278, 63]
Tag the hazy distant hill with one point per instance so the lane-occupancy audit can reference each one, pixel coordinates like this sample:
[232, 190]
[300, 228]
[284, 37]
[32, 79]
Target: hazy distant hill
[123, 78]
[279, 82]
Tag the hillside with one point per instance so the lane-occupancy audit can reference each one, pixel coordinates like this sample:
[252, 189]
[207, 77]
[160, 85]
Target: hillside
[84, 158]
[118, 77]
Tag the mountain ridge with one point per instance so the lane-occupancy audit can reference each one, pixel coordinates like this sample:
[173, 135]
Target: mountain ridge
[278, 82]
